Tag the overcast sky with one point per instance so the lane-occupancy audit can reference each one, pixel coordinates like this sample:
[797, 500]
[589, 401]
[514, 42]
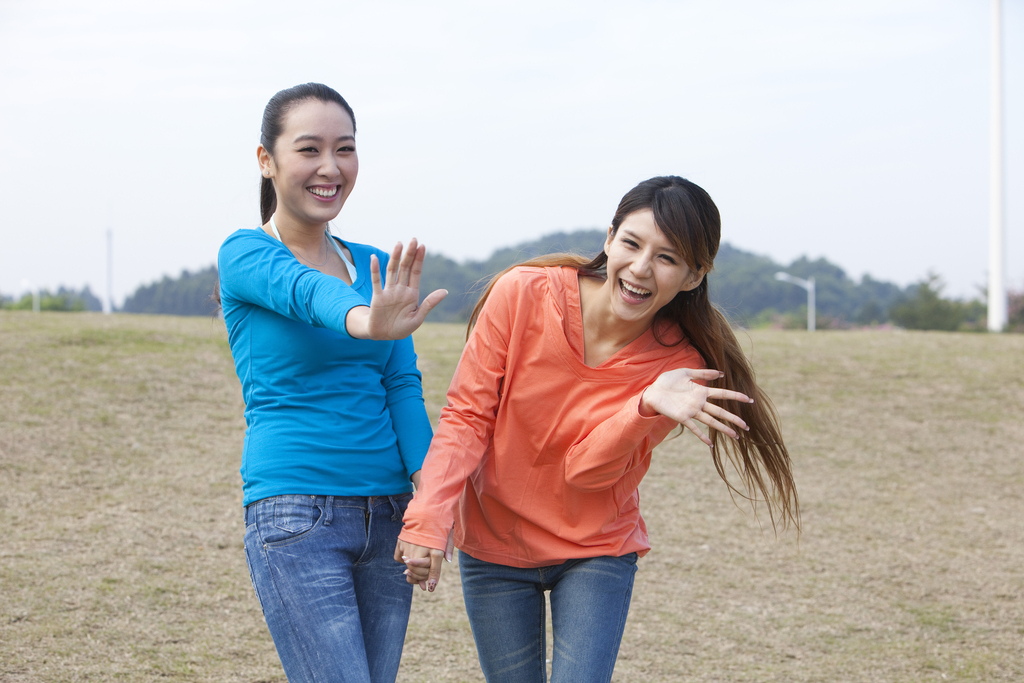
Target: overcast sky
[857, 130]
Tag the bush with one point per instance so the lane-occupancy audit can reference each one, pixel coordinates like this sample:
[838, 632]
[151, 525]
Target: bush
[925, 309]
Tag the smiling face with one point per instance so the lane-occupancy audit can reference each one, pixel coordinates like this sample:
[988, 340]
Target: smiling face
[313, 163]
[645, 271]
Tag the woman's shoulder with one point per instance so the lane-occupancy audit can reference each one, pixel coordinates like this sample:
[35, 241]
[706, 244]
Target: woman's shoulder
[248, 238]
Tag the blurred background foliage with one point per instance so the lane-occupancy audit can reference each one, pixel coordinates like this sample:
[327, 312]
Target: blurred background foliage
[742, 284]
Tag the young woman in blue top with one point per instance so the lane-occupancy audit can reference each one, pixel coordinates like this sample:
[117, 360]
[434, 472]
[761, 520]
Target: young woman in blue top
[336, 430]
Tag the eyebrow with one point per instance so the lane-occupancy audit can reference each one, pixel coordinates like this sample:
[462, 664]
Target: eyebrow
[317, 138]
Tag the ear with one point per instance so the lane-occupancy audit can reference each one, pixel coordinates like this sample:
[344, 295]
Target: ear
[608, 241]
[695, 278]
[266, 162]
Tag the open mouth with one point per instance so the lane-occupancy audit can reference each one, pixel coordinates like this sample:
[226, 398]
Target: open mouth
[324, 192]
[633, 293]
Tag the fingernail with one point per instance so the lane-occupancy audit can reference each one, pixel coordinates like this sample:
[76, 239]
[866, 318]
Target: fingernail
[431, 585]
[447, 557]
[721, 375]
[406, 572]
[751, 400]
[405, 558]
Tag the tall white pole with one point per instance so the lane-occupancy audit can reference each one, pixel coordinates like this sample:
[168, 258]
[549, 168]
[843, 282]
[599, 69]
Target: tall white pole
[811, 314]
[108, 305]
[996, 230]
[807, 284]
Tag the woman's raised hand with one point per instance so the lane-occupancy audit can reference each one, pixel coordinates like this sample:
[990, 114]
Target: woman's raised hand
[395, 310]
[675, 395]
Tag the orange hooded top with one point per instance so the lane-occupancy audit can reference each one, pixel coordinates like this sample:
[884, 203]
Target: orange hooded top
[540, 453]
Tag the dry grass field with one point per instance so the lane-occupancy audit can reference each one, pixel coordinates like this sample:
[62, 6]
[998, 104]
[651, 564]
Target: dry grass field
[121, 557]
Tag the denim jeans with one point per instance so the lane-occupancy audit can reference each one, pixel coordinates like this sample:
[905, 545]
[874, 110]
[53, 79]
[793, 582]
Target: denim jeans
[589, 603]
[335, 600]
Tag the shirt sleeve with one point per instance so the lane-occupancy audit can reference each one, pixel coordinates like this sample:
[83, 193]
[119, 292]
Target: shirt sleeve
[403, 385]
[257, 271]
[615, 447]
[467, 422]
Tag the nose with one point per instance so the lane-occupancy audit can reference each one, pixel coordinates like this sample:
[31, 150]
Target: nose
[641, 265]
[328, 166]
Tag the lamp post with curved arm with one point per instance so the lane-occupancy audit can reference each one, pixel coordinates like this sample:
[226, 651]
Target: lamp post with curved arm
[807, 284]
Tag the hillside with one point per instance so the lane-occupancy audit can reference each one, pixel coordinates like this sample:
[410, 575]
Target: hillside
[743, 285]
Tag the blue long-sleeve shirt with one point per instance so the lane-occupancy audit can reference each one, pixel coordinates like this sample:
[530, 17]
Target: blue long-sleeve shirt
[325, 413]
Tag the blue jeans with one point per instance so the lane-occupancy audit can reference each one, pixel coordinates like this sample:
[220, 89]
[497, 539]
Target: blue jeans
[589, 603]
[335, 600]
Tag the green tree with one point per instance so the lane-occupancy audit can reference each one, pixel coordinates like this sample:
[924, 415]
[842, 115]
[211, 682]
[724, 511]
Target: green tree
[925, 309]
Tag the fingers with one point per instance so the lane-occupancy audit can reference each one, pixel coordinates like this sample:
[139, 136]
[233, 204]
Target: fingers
[375, 274]
[692, 426]
[715, 424]
[723, 414]
[408, 256]
[707, 374]
[728, 395]
[436, 557]
[417, 264]
[406, 265]
[450, 545]
[394, 264]
[417, 569]
[432, 299]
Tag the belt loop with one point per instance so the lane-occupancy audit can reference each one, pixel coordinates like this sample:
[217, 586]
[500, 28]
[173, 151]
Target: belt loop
[329, 512]
[395, 517]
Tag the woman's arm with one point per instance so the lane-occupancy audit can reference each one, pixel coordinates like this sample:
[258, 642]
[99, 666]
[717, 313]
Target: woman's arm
[257, 270]
[403, 396]
[463, 435]
[620, 443]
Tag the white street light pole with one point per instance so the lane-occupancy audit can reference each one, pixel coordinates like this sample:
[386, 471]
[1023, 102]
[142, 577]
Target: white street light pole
[996, 230]
[108, 305]
[25, 284]
[807, 284]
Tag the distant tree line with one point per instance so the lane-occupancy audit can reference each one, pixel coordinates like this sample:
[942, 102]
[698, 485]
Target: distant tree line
[742, 284]
[189, 294]
[63, 300]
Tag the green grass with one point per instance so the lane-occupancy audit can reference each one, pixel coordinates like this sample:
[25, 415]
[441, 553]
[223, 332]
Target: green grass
[122, 557]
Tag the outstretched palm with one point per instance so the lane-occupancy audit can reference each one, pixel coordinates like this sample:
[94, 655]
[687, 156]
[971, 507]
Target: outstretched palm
[395, 308]
[675, 395]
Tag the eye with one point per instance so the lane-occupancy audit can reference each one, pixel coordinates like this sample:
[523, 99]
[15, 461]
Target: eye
[629, 243]
[309, 149]
[668, 259]
[347, 148]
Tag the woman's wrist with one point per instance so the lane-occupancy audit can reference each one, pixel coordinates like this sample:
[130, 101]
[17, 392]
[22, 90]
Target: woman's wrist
[644, 408]
[357, 322]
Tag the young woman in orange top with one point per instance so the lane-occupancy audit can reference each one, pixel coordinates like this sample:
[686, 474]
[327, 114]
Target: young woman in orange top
[573, 372]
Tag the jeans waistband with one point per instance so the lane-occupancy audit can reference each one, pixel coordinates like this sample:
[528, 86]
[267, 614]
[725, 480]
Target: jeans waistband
[366, 503]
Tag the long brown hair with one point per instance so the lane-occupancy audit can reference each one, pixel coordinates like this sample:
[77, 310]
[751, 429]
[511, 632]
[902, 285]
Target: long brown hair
[688, 217]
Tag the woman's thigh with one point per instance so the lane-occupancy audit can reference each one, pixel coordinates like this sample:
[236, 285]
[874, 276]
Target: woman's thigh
[303, 553]
[589, 603]
[506, 611]
[382, 593]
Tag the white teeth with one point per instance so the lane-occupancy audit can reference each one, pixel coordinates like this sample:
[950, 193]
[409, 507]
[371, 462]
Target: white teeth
[324, 193]
[635, 290]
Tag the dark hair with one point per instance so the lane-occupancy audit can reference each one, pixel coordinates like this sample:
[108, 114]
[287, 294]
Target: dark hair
[688, 217]
[273, 122]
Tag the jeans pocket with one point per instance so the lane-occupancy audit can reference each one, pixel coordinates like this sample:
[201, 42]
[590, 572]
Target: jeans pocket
[402, 501]
[291, 521]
